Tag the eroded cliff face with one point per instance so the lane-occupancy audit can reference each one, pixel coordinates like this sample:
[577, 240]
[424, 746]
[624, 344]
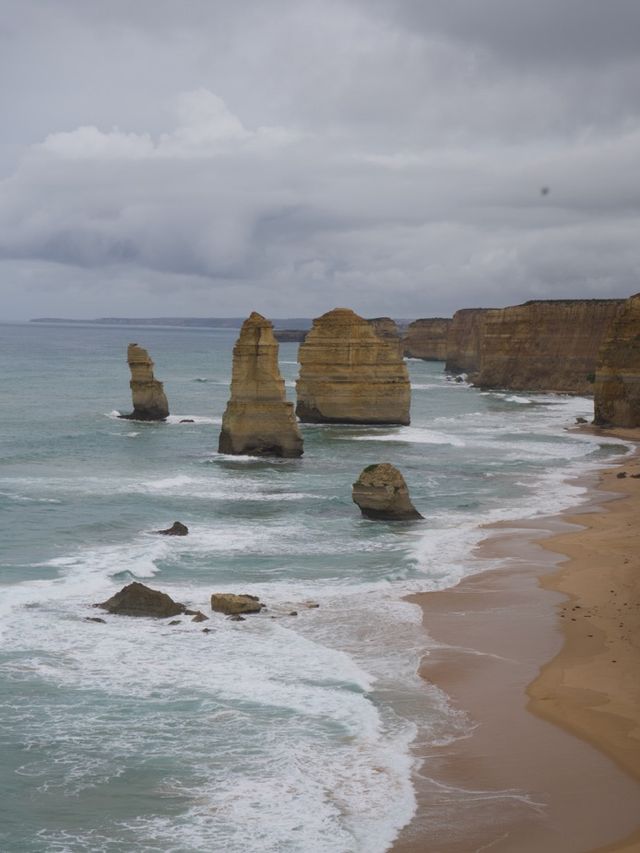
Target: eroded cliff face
[149, 400]
[547, 345]
[387, 329]
[258, 420]
[463, 341]
[427, 339]
[349, 374]
[617, 386]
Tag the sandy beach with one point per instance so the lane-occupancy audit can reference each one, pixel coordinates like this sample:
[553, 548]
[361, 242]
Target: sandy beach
[542, 655]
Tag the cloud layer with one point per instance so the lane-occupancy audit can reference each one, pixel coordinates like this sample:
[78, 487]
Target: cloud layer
[201, 159]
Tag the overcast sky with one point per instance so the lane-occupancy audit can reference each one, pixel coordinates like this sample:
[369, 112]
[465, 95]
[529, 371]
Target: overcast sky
[209, 157]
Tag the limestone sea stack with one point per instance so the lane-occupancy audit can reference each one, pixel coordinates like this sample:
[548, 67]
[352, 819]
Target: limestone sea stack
[463, 341]
[544, 345]
[617, 386]
[149, 400]
[427, 339]
[381, 493]
[350, 374]
[258, 420]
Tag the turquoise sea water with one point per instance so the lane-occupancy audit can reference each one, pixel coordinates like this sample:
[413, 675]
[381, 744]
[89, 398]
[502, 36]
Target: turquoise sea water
[280, 733]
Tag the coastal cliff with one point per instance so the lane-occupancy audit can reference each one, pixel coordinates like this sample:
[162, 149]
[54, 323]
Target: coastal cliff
[389, 330]
[349, 374]
[258, 421]
[463, 341]
[617, 386]
[545, 345]
[149, 400]
[427, 339]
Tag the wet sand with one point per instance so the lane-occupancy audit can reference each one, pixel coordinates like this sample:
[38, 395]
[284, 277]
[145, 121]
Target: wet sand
[543, 656]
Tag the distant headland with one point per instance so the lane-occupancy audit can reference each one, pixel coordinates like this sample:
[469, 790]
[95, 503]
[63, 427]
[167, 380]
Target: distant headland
[302, 323]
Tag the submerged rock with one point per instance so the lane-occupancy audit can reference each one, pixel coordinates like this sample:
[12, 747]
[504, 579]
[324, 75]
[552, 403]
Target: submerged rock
[233, 605]
[176, 529]
[200, 617]
[381, 493]
[136, 599]
[149, 400]
[258, 420]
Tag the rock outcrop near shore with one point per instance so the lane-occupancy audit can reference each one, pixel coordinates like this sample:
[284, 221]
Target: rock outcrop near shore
[234, 605]
[547, 345]
[350, 374]
[382, 494]
[427, 339]
[258, 420]
[463, 341]
[149, 400]
[136, 599]
[617, 386]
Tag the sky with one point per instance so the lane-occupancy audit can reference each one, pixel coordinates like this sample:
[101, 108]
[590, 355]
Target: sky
[398, 157]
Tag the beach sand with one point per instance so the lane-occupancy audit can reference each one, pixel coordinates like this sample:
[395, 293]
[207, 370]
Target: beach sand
[543, 656]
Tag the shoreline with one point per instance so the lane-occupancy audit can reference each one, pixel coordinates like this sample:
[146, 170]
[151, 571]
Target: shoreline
[529, 672]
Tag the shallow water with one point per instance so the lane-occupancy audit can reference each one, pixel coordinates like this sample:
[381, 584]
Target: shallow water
[276, 734]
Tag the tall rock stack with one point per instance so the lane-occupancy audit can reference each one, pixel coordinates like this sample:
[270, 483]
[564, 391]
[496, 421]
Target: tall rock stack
[149, 400]
[545, 345]
[258, 421]
[617, 387]
[388, 329]
[349, 374]
[427, 339]
[463, 341]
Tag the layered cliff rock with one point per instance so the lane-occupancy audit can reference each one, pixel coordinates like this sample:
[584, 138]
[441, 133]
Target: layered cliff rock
[617, 386]
[549, 345]
[427, 339]
[349, 374]
[381, 493]
[258, 420]
[149, 400]
[463, 341]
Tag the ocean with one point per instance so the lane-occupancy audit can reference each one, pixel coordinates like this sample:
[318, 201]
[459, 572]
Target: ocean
[281, 733]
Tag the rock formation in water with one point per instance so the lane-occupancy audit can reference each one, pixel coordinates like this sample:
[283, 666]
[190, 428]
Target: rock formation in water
[546, 345]
[427, 339]
[617, 386]
[149, 400]
[136, 599]
[258, 420]
[388, 330]
[463, 341]
[234, 605]
[381, 493]
[349, 374]
[176, 529]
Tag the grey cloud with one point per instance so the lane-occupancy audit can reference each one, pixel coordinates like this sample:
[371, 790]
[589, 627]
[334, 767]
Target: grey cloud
[292, 156]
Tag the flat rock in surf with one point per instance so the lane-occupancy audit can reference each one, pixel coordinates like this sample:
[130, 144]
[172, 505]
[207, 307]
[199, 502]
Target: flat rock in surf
[234, 605]
[136, 599]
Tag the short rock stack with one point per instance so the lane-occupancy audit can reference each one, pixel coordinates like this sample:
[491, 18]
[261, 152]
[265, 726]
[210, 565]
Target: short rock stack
[382, 495]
